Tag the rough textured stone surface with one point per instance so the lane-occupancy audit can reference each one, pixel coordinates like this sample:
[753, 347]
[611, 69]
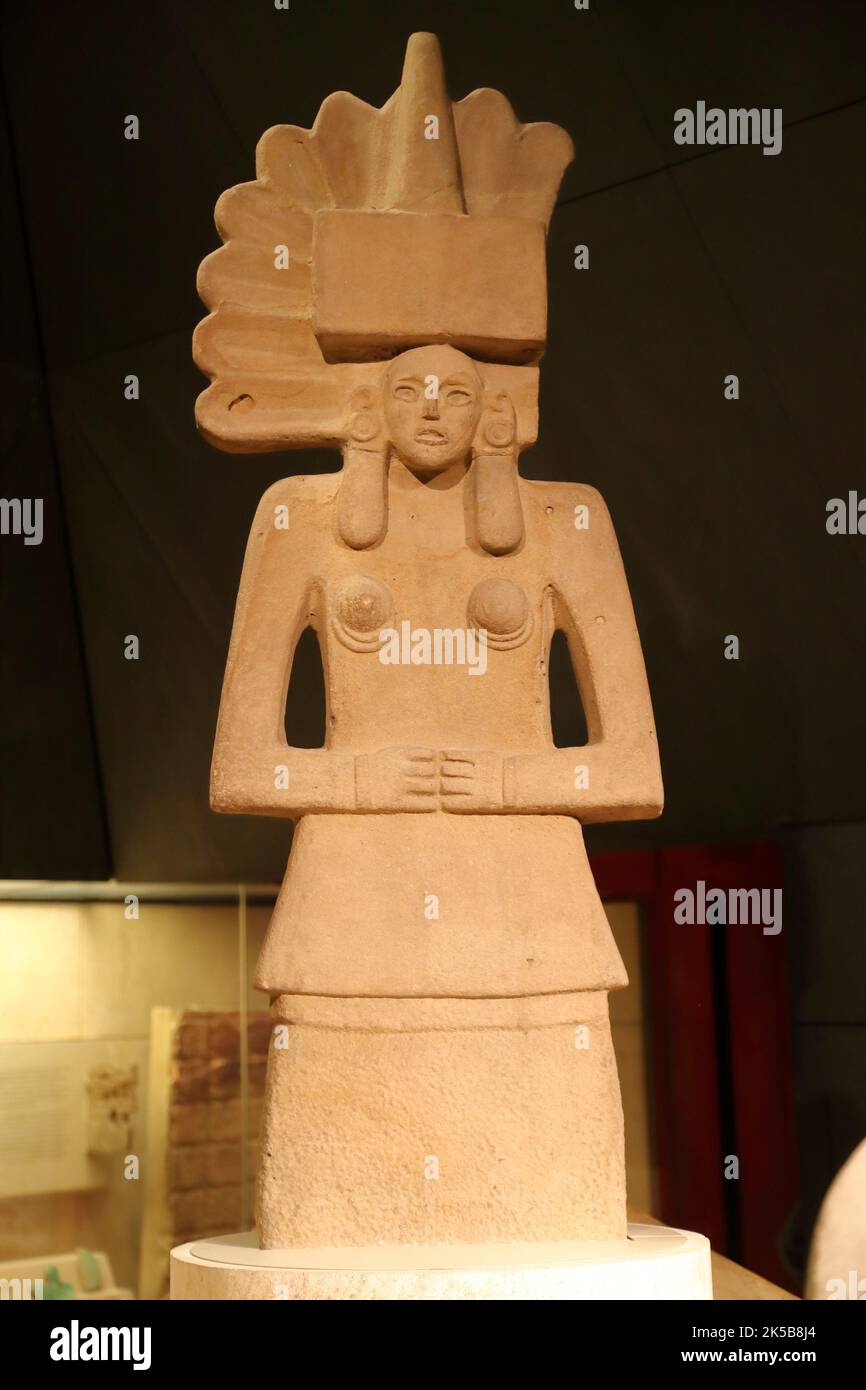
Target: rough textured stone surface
[439, 961]
[443, 1122]
[435, 297]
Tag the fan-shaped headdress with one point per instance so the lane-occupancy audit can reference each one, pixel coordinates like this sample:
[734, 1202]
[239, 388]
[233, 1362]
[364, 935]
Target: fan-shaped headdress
[377, 230]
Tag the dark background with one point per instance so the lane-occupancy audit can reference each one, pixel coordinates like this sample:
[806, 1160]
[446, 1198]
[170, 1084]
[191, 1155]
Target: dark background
[703, 261]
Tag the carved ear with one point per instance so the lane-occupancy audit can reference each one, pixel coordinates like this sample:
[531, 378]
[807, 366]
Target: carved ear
[362, 505]
[497, 427]
[364, 422]
[498, 513]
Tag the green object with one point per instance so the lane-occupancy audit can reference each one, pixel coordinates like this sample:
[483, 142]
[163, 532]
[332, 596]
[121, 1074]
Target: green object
[53, 1286]
[88, 1270]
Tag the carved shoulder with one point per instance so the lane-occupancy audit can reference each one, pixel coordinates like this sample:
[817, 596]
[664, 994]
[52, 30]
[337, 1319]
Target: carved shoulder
[565, 511]
[306, 490]
[296, 505]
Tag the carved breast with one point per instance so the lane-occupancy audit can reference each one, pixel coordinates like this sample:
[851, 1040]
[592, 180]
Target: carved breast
[502, 609]
[362, 608]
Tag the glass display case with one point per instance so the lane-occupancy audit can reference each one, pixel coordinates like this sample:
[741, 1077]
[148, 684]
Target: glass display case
[132, 1064]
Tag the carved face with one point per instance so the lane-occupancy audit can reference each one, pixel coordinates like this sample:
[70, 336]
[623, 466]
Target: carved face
[433, 400]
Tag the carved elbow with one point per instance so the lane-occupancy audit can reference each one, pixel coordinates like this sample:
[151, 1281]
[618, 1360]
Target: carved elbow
[656, 797]
[223, 796]
[219, 799]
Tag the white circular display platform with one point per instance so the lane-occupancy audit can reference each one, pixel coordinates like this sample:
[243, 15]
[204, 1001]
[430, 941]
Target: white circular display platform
[655, 1262]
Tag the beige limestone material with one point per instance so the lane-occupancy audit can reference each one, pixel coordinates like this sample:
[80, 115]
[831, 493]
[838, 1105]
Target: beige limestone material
[442, 1121]
[448, 265]
[438, 959]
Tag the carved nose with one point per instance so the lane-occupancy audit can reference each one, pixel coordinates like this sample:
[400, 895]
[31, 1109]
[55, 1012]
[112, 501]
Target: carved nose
[431, 408]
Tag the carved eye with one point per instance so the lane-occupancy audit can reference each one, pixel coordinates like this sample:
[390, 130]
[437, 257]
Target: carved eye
[405, 392]
[457, 396]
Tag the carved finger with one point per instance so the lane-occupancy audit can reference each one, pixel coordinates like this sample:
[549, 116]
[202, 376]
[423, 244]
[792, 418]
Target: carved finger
[419, 801]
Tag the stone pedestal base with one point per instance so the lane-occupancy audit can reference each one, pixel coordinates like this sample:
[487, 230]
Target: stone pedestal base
[654, 1263]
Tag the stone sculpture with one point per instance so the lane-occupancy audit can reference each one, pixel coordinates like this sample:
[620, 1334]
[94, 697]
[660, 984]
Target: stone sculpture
[837, 1256]
[438, 959]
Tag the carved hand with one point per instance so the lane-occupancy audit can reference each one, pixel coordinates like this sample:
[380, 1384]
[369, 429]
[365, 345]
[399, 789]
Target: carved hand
[396, 779]
[470, 781]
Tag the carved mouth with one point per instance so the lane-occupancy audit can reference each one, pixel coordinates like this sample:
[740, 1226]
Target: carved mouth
[430, 437]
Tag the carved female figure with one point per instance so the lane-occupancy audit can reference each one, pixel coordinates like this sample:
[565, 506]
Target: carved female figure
[438, 954]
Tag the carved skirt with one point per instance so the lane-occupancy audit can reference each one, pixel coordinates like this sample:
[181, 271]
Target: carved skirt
[441, 1121]
[442, 1068]
[438, 905]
